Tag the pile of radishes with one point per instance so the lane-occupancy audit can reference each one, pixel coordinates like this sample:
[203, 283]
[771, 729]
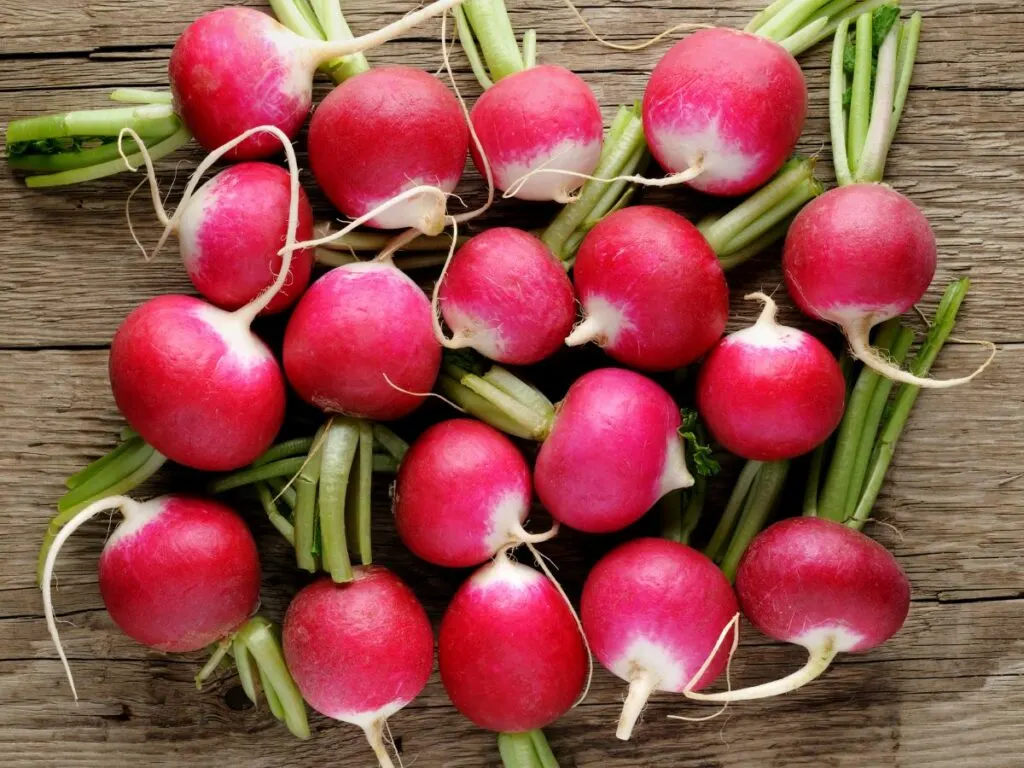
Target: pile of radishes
[365, 345]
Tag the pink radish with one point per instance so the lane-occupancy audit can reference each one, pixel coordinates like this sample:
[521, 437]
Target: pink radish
[511, 656]
[381, 133]
[857, 256]
[770, 392]
[236, 68]
[462, 494]
[613, 450]
[359, 651]
[729, 103]
[232, 230]
[558, 128]
[818, 584]
[655, 612]
[505, 295]
[361, 342]
[653, 293]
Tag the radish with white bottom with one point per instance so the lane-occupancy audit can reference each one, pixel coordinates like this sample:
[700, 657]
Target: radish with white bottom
[360, 651]
[818, 584]
[234, 69]
[558, 120]
[660, 616]
[579, 474]
[770, 392]
[462, 494]
[181, 573]
[511, 656]
[653, 294]
[505, 295]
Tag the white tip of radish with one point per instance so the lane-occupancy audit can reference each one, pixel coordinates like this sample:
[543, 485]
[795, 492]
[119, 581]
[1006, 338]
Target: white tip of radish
[602, 324]
[676, 474]
[720, 160]
[507, 573]
[569, 155]
[506, 520]
[469, 331]
[244, 346]
[857, 335]
[644, 654]
[842, 639]
[142, 514]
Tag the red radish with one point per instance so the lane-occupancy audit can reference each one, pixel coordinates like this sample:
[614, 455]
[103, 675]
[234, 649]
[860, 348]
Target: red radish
[236, 68]
[511, 656]
[857, 256]
[816, 583]
[505, 295]
[730, 103]
[613, 450]
[558, 127]
[462, 493]
[177, 574]
[196, 383]
[232, 230]
[653, 293]
[381, 133]
[359, 651]
[361, 342]
[770, 392]
[655, 612]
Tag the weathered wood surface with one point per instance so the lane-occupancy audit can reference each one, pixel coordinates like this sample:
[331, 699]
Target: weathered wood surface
[947, 691]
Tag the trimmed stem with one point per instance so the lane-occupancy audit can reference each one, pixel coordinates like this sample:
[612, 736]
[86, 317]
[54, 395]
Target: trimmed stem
[906, 396]
[818, 661]
[876, 144]
[759, 504]
[832, 14]
[832, 503]
[99, 464]
[260, 638]
[141, 96]
[305, 519]
[334, 26]
[246, 670]
[218, 655]
[860, 99]
[339, 450]
[641, 686]
[358, 507]
[789, 18]
[476, 62]
[279, 521]
[529, 48]
[529, 749]
[258, 473]
[287, 449]
[737, 498]
[493, 405]
[766, 15]
[492, 29]
[147, 120]
[390, 442]
[836, 109]
[770, 227]
[910, 35]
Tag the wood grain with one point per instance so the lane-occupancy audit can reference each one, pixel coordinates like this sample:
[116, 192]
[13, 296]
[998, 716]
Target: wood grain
[945, 692]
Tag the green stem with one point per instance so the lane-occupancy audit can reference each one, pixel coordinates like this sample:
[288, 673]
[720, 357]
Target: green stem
[910, 35]
[722, 231]
[384, 463]
[492, 404]
[529, 48]
[147, 120]
[529, 749]
[390, 442]
[285, 450]
[91, 470]
[822, 24]
[759, 504]
[476, 62]
[260, 638]
[339, 450]
[789, 18]
[524, 393]
[873, 420]
[836, 109]
[358, 503]
[306, 487]
[130, 456]
[823, 453]
[218, 655]
[769, 228]
[101, 170]
[141, 96]
[542, 748]
[492, 28]
[334, 26]
[906, 396]
[255, 474]
[246, 670]
[279, 521]
[284, 490]
[876, 144]
[860, 99]
[766, 15]
[832, 503]
[724, 529]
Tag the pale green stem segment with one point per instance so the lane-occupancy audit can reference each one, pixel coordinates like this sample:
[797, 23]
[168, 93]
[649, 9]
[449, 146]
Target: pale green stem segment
[836, 109]
[491, 29]
[498, 398]
[797, 25]
[358, 504]
[716, 547]
[910, 35]
[860, 99]
[279, 521]
[306, 505]
[254, 474]
[681, 510]
[322, 20]
[757, 507]
[373, 242]
[141, 96]
[529, 749]
[789, 18]
[476, 62]
[895, 419]
[876, 144]
[339, 450]
[390, 442]
[823, 452]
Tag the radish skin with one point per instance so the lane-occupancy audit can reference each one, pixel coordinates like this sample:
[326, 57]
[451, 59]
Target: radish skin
[401, 123]
[511, 656]
[359, 651]
[770, 392]
[582, 474]
[821, 585]
[655, 611]
[730, 102]
[505, 295]
[653, 293]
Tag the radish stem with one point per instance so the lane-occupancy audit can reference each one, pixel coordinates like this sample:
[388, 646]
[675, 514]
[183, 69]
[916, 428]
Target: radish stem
[836, 108]
[260, 638]
[141, 96]
[492, 29]
[246, 671]
[876, 143]
[499, 406]
[101, 463]
[338, 452]
[254, 474]
[724, 529]
[910, 34]
[305, 506]
[476, 63]
[761, 500]
[358, 503]
[288, 448]
[284, 527]
[334, 26]
[860, 98]
[390, 442]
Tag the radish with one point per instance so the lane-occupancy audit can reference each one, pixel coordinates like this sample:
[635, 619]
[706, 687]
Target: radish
[558, 125]
[367, 123]
[361, 342]
[656, 613]
[816, 583]
[770, 392]
[178, 574]
[462, 494]
[511, 656]
[236, 68]
[505, 295]
[653, 294]
[359, 651]
[730, 103]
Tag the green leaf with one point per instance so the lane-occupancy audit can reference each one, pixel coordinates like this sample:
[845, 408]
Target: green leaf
[467, 360]
[882, 20]
[701, 455]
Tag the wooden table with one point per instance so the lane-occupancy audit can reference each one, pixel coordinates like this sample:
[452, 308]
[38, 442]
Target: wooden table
[947, 691]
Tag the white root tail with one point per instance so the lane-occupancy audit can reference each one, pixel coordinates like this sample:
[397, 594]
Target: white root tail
[127, 507]
[857, 335]
[375, 736]
[681, 177]
[641, 686]
[632, 46]
[586, 331]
